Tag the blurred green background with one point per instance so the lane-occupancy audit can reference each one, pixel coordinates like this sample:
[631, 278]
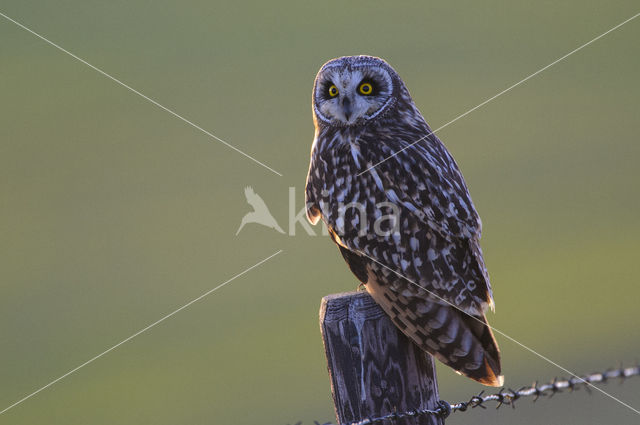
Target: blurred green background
[114, 213]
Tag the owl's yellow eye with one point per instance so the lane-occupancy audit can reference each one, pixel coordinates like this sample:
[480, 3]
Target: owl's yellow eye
[333, 90]
[365, 89]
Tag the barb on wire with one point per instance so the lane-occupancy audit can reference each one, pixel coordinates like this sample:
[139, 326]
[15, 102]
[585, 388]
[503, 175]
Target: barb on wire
[508, 397]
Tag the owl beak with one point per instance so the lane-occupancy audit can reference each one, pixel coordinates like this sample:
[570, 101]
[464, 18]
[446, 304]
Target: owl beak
[346, 108]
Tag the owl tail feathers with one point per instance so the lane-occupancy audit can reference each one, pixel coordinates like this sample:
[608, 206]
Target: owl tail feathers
[463, 342]
[459, 340]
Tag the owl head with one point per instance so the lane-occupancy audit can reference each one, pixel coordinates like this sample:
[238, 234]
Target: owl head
[352, 90]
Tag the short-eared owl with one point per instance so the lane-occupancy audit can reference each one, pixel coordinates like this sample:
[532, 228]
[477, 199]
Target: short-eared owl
[407, 227]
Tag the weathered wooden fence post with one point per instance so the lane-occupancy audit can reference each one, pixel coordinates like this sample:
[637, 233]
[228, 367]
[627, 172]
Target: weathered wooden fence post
[374, 369]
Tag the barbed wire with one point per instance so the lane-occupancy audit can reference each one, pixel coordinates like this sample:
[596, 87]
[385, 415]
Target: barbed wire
[507, 396]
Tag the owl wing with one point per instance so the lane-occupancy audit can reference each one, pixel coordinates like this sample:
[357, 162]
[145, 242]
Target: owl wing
[437, 243]
[425, 179]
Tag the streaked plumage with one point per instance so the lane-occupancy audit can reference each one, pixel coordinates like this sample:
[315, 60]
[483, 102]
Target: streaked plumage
[435, 244]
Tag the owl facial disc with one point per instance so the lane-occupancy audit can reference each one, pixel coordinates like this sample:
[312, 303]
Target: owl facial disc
[352, 90]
